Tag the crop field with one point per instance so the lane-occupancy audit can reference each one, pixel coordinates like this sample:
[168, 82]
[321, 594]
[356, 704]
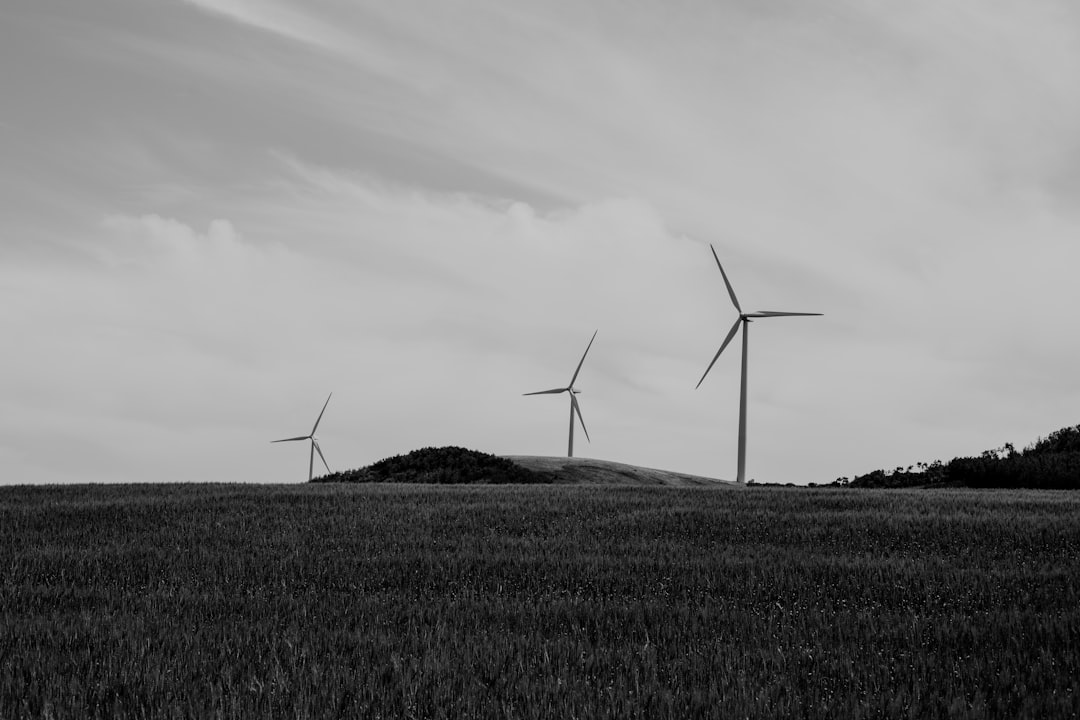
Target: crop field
[232, 601]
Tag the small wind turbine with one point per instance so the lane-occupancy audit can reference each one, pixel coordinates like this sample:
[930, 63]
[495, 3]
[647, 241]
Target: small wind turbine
[314, 442]
[574, 407]
[744, 320]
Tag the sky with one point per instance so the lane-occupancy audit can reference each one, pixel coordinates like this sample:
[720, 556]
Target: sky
[214, 213]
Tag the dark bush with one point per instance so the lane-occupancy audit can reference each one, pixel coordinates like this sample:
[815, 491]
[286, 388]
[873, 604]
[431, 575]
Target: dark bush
[443, 465]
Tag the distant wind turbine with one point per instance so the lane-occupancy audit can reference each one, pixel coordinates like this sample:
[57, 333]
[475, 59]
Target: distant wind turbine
[314, 442]
[744, 320]
[574, 407]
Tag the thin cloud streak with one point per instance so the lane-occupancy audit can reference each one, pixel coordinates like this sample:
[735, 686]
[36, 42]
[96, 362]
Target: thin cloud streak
[283, 19]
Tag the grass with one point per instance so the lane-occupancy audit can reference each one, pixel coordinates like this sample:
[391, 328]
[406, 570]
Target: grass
[523, 601]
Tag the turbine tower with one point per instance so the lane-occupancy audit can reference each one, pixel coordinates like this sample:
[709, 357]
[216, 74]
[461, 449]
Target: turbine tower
[314, 442]
[574, 406]
[744, 319]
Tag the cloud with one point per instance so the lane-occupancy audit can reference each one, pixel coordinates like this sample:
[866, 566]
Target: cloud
[193, 336]
[283, 19]
[150, 237]
[211, 224]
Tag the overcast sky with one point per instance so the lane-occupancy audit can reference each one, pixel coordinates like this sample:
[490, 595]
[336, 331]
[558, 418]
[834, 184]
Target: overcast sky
[213, 213]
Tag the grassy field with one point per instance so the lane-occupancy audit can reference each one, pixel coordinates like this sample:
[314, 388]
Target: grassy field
[555, 602]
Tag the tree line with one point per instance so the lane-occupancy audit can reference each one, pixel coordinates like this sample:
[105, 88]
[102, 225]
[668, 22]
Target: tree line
[1052, 462]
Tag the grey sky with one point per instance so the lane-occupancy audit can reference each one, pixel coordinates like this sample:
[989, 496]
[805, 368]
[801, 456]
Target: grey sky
[213, 213]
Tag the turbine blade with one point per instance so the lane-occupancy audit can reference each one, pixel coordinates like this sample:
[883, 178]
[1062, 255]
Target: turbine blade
[777, 313]
[321, 457]
[577, 409]
[305, 437]
[321, 413]
[731, 292]
[554, 391]
[583, 360]
[731, 334]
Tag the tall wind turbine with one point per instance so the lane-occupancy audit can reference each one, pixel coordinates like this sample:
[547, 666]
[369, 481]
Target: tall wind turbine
[314, 442]
[574, 407]
[744, 320]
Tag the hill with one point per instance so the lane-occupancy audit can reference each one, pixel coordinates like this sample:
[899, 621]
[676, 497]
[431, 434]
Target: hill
[1052, 462]
[587, 471]
[456, 465]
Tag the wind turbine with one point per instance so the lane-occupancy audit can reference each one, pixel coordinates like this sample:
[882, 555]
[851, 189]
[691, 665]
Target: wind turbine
[314, 442]
[744, 320]
[574, 406]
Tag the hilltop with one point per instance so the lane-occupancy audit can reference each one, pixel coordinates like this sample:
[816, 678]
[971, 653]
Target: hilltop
[456, 465]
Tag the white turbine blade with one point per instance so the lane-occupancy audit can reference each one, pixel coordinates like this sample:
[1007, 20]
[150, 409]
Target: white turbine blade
[583, 360]
[319, 450]
[777, 313]
[731, 334]
[317, 420]
[577, 409]
[305, 437]
[554, 391]
[731, 292]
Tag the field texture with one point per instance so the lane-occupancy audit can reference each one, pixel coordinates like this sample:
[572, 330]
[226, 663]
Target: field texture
[553, 602]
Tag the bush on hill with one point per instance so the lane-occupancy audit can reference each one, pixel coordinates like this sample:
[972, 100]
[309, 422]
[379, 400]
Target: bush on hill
[1052, 462]
[443, 465]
